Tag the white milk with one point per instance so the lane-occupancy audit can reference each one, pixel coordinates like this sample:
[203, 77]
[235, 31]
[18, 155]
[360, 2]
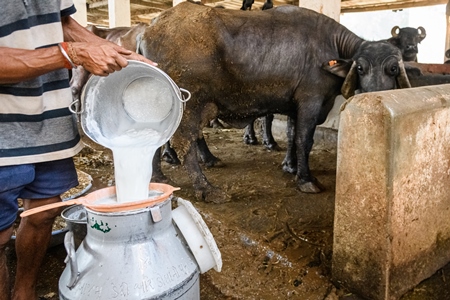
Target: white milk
[133, 154]
[133, 172]
[146, 100]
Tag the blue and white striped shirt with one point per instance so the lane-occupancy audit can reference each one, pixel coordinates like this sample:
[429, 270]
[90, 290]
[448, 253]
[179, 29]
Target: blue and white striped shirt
[35, 122]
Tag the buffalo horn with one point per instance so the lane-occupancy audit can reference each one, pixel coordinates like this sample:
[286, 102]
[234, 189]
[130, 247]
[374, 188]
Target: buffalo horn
[422, 32]
[394, 31]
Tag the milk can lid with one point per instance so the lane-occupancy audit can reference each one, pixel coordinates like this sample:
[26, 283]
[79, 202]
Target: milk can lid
[186, 214]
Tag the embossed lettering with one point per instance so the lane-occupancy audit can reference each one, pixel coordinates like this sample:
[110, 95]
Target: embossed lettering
[121, 290]
[146, 285]
[91, 291]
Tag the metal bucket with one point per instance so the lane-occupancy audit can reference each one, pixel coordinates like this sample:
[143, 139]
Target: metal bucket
[139, 98]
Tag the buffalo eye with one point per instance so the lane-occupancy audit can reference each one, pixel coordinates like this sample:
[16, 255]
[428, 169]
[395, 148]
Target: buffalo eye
[393, 70]
[360, 69]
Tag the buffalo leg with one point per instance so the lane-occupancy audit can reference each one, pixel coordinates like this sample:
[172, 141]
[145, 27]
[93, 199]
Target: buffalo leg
[268, 140]
[79, 78]
[204, 190]
[249, 134]
[304, 139]
[206, 156]
[215, 123]
[169, 155]
[157, 174]
[187, 136]
[290, 160]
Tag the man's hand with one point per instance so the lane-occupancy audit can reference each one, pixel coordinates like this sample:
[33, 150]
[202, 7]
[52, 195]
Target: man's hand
[96, 55]
[102, 58]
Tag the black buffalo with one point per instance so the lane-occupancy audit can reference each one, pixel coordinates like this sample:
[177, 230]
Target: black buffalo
[247, 4]
[407, 40]
[237, 70]
[268, 4]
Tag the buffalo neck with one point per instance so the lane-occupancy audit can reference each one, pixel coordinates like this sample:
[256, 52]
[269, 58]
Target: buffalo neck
[347, 42]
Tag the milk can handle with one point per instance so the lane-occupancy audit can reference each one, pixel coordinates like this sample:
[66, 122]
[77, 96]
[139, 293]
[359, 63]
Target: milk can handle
[71, 259]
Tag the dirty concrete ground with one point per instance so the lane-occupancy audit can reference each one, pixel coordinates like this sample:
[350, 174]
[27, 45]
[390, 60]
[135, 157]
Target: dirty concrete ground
[276, 243]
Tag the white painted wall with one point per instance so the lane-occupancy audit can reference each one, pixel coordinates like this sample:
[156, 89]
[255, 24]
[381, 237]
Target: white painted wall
[377, 25]
[331, 8]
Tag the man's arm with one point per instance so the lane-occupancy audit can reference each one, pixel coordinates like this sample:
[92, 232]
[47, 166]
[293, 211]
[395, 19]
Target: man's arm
[18, 64]
[97, 55]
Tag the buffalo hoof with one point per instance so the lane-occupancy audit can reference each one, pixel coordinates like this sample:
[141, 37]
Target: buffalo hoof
[288, 168]
[212, 195]
[161, 178]
[273, 146]
[216, 124]
[173, 160]
[310, 187]
[214, 163]
[250, 140]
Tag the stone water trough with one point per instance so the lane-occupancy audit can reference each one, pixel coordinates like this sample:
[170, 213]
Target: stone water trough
[392, 211]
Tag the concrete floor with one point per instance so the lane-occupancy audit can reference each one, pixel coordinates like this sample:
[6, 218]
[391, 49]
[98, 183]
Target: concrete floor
[276, 243]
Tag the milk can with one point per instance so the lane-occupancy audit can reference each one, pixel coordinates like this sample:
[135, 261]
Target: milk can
[140, 254]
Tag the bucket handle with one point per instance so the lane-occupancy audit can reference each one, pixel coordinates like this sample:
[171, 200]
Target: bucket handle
[75, 107]
[177, 89]
[182, 98]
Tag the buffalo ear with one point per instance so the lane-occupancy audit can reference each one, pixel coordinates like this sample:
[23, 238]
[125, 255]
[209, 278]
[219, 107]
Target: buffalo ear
[350, 84]
[394, 41]
[338, 67]
[345, 68]
[411, 70]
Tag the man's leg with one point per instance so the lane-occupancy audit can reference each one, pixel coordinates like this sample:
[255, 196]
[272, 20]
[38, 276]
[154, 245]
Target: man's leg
[32, 239]
[5, 291]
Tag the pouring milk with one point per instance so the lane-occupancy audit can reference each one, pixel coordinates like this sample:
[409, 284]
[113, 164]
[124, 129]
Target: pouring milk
[133, 129]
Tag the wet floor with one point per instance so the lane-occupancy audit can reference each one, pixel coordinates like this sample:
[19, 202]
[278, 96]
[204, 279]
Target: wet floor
[276, 243]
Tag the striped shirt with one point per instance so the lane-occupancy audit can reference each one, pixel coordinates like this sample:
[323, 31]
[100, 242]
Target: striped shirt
[35, 122]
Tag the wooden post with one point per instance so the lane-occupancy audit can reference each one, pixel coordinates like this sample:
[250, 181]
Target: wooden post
[119, 13]
[330, 8]
[175, 2]
[447, 37]
[81, 15]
